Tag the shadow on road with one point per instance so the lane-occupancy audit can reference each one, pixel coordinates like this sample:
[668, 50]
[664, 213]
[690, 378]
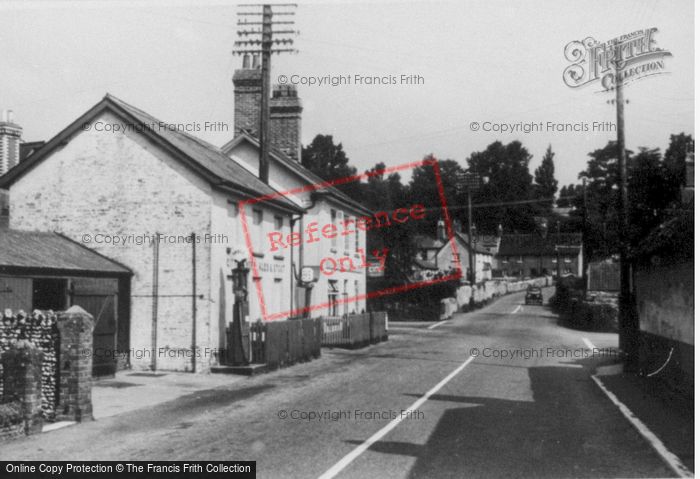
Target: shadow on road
[567, 430]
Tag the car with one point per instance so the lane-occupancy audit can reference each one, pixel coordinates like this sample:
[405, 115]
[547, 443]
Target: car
[533, 295]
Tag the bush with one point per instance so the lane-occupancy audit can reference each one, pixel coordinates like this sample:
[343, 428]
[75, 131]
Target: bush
[568, 301]
[10, 413]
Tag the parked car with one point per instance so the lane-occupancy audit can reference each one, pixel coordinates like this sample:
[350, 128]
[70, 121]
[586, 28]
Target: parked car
[533, 295]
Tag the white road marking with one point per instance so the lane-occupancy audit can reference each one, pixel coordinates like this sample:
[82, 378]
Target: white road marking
[663, 366]
[671, 459]
[517, 309]
[588, 343]
[436, 325]
[355, 453]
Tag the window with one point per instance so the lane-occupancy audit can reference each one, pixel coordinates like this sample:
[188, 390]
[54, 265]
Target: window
[279, 295]
[357, 296]
[334, 221]
[505, 260]
[346, 241]
[259, 234]
[345, 297]
[279, 223]
[232, 209]
[357, 238]
[332, 297]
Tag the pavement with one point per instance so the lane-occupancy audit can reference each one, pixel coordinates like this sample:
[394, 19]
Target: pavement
[504, 391]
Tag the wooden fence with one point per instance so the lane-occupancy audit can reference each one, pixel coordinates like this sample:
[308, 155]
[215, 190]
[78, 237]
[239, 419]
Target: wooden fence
[354, 330]
[283, 343]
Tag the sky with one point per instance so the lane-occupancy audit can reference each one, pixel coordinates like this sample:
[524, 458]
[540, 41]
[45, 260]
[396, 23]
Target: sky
[482, 62]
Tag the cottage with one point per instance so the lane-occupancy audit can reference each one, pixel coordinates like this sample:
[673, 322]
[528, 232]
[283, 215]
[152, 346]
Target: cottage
[344, 291]
[532, 254]
[443, 256]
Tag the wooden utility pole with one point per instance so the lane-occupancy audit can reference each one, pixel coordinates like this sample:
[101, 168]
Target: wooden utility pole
[264, 171]
[471, 181]
[264, 47]
[585, 238]
[628, 338]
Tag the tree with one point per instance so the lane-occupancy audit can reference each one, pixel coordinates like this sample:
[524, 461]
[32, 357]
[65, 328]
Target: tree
[603, 203]
[545, 183]
[387, 193]
[329, 161]
[509, 180]
[674, 159]
[423, 189]
[651, 192]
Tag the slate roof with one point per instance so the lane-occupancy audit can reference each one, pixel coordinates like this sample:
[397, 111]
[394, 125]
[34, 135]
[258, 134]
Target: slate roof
[204, 158]
[533, 244]
[300, 170]
[480, 246]
[27, 251]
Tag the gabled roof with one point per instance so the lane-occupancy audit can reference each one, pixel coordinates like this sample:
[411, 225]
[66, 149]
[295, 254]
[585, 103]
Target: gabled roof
[32, 251]
[427, 242]
[532, 244]
[479, 247]
[202, 157]
[296, 167]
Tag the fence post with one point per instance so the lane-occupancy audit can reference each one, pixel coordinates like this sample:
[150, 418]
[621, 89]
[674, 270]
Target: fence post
[22, 382]
[75, 327]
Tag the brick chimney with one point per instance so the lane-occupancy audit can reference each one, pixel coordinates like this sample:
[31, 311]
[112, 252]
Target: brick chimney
[285, 109]
[246, 97]
[285, 120]
[10, 136]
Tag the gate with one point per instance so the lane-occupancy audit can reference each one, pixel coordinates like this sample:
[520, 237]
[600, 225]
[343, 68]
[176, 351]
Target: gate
[99, 298]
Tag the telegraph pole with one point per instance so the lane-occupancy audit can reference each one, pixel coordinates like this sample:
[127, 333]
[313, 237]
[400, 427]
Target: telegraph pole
[263, 45]
[628, 339]
[471, 181]
[585, 238]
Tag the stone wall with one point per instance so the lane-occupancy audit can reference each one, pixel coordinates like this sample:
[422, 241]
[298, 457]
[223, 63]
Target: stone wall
[46, 369]
[40, 329]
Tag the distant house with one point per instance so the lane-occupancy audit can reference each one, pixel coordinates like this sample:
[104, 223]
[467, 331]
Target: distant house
[436, 257]
[532, 254]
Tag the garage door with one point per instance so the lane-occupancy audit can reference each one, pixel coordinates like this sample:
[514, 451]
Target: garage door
[98, 297]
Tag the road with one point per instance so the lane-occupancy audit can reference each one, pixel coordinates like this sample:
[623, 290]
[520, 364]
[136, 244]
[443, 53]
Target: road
[536, 413]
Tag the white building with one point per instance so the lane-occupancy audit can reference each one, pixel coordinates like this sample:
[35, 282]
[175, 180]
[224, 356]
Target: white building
[343, 290]
[135, 194]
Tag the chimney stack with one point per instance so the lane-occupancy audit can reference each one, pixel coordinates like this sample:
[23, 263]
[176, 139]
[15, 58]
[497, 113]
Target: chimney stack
[247, 83]
[285, 121]
[10, 137]
[441, 231]
[285, 108]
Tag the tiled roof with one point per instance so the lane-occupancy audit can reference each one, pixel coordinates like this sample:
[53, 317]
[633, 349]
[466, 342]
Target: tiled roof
[32, 250]
[534, 244]
[300, 170]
